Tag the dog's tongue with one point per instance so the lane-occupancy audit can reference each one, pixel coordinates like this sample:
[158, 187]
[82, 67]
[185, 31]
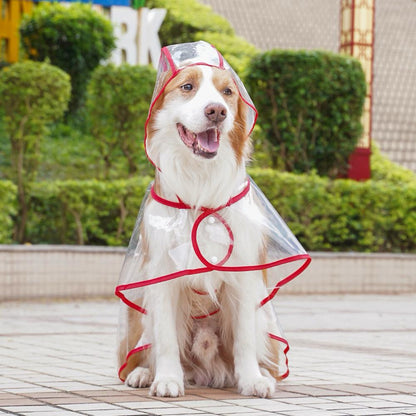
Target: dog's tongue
[208, 140]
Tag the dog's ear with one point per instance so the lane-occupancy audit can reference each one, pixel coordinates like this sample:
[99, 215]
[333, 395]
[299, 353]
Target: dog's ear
[240, 141]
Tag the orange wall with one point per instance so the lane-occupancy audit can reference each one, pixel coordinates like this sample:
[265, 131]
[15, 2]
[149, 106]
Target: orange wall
[11, 12]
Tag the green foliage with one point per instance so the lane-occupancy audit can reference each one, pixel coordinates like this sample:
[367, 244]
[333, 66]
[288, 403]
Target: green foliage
[186, 18]
[69, 153]
[310, 104]
[74, 38]
[7, 210]
[117, 106]
[237, 51]
[190, 21]
[382, 168]
[85, 212]
[343, 215]
[325, 214]
[5, 162]
[33, 95]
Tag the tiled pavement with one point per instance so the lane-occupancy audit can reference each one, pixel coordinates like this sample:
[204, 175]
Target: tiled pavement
[350, 355]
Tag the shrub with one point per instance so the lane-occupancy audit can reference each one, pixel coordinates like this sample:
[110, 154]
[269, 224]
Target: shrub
[186, 18]
[74, 38]
[325, 214]
[310, 104]
[85, 212]
[117, 106]
[33, 95]
[189, 21]
[7, 210]
[382, 168]
[343, 215]
[69, 153]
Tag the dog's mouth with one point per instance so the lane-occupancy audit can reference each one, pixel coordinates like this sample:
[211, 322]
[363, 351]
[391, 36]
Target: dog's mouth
[205, 143]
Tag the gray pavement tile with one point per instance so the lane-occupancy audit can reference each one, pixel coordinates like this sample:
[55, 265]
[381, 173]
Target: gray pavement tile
[398, 398]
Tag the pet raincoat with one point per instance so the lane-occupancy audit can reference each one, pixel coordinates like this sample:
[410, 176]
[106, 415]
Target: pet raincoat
[284, 258]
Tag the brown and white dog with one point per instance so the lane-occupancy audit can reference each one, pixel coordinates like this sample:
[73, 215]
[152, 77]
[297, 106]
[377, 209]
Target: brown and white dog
[197, 138]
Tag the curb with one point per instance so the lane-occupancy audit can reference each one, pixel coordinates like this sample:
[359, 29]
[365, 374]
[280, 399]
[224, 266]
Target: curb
[54, 271]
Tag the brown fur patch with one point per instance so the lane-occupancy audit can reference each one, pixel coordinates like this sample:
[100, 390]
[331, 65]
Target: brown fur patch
[274, 349]
[222, 81]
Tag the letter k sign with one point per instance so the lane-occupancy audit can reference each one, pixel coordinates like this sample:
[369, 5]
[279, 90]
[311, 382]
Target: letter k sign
[149, 43]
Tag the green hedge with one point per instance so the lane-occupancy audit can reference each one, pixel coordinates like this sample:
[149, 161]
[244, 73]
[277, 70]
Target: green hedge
[85, 212]
[118, 99]
[382, 168]
[328, 215]
[33, 95]
[8, 209]
[344, 215]
[310, 105]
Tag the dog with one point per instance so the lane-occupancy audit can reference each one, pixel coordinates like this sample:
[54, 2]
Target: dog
[197, 309]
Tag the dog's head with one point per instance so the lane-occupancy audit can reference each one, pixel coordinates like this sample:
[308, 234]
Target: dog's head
[198, 110]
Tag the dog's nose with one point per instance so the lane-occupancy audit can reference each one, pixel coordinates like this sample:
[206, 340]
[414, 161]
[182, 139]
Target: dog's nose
[215, 112]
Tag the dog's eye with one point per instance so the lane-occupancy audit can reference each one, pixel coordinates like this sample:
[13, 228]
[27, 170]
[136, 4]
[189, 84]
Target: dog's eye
[187, 87]
[227, 91]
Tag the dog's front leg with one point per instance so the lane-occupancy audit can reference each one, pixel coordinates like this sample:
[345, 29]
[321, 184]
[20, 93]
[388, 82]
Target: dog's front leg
[168, 379]
[247, 370]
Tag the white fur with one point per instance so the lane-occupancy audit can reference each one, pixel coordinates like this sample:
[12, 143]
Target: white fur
[201, 182]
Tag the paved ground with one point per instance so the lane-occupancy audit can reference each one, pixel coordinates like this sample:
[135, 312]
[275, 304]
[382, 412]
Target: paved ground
[350, 355]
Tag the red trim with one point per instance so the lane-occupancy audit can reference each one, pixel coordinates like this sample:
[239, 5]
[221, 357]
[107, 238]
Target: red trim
[133, 351]
[288, 278]
[190, 272]
[285, 351]
[165, 51]
[200, 292]
[172, 204]
[182, 205]
[207, 315]
[194, 239]
[220, 58]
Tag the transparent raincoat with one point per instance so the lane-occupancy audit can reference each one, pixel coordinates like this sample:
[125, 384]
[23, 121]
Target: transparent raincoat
[221, 247]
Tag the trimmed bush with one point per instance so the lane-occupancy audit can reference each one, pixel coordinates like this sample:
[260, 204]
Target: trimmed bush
[8, 201]
[186, 18]
[382, 168]
[344, 215]
[190, 21]
[117, 104]
[85, 212]
[74, 38]
[326, 215]
[33, 95]
[310, 105]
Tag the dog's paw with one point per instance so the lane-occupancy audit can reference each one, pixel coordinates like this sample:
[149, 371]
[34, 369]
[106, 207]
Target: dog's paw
[167, 387]
[259, 386]
[139, 377]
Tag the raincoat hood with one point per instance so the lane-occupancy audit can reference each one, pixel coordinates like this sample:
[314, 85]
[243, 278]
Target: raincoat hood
[174, 58]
